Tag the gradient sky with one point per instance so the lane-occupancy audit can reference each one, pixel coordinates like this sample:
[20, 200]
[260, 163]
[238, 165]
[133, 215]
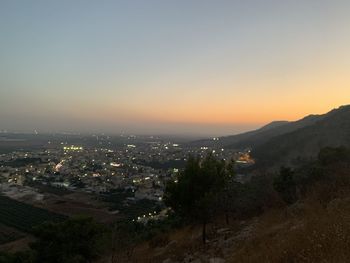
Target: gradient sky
[180, 67]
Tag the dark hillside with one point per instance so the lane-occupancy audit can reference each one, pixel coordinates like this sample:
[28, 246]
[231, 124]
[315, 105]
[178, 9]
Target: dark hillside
[333, 130]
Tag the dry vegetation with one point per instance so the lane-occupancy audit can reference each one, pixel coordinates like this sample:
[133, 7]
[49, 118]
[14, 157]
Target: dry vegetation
[315, 234]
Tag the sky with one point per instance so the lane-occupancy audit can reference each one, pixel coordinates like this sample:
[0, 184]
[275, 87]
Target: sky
[170, 67]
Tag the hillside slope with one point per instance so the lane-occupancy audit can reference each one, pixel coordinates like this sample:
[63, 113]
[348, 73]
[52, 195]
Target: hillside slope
[331, 129]
[257, 137]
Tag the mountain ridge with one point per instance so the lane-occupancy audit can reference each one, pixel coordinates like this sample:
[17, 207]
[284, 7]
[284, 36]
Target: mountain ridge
[253, 138]
[331, 130]
[281, 142]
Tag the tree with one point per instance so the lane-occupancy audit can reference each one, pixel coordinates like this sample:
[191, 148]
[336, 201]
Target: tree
[227, 198]
[195, 193]
[285, 185]
[229, 191]
[74, 240]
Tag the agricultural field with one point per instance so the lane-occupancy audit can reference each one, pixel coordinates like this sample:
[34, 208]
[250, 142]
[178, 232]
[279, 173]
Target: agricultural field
[79, 204]
[8, 234]
[23, 216]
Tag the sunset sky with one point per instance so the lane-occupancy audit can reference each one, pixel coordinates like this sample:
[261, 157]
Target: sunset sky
[180, 67]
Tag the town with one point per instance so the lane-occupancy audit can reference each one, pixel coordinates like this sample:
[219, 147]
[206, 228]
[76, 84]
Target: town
[104, 179]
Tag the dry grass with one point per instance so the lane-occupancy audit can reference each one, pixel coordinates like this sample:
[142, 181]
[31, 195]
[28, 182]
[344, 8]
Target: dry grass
[316, 235]
[176, 244]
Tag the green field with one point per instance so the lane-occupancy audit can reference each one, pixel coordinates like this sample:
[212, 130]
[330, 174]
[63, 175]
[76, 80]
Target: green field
[24, 216]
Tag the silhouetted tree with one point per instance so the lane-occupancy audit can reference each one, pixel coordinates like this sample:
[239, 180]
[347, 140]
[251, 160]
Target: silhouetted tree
[285, 185]
[195, 192]
[229, 192]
